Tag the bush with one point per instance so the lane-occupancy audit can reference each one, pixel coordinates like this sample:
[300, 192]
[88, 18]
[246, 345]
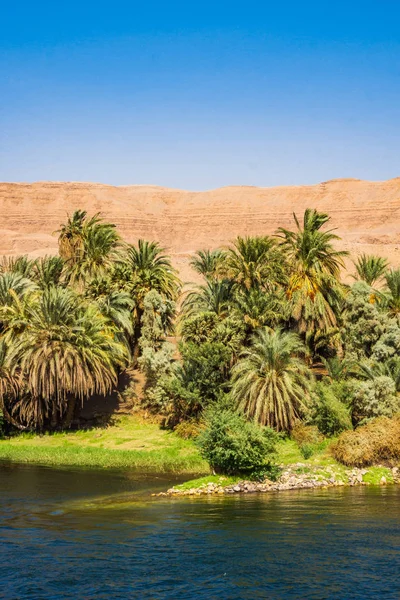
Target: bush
[307, 437]
[232, 445]
[375, 398]
[374, 443]
[306, 434]
[330, 414]
[188, 430]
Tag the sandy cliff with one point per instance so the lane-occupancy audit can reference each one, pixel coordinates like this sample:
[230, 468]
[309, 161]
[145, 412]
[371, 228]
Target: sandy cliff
[366, 214]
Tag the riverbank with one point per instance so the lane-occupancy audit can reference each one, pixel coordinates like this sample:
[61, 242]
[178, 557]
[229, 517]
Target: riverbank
[128, 443]
[296, 476]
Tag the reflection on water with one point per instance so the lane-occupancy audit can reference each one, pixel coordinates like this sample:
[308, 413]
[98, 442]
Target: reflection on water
[98, 534]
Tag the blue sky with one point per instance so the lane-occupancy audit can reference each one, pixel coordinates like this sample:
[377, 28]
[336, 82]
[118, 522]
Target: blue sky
[199, 95]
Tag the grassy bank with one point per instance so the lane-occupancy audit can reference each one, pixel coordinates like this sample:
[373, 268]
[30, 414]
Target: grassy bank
[126, 444]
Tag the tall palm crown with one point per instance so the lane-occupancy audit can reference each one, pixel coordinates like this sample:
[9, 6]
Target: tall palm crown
[71, 237]
[214, 296]
[88, 246]
[255, 262]
[150, 269]
[68, 348]
[49, 270]
[270, 383]
[208, 262]
[313, 288]
[370, 268]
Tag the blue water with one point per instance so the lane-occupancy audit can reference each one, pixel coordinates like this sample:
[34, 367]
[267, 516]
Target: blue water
[97, 534]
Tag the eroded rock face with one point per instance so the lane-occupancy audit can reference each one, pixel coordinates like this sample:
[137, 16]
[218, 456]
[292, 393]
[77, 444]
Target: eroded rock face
[366, 214]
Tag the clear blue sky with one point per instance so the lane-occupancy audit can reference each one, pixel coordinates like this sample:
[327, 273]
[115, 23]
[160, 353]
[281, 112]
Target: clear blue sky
[198, 95]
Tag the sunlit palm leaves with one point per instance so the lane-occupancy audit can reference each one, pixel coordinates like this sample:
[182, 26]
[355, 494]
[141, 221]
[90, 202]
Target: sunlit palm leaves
[370, 268]
[270, 383]
[68, 348]
[313, 289]
[208, 263]
[255, 262]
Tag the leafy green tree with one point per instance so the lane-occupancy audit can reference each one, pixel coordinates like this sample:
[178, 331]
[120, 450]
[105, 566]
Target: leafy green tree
[271, 383]
[370, 268]
[208, 327]
[329, 413]
[375, 398]
[363, 322]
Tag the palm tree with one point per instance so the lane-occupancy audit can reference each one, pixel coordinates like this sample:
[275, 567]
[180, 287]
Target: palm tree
[314, 288]
[48, 271]
[255, 262]
[370, 268]
[214, 296]
[100, 251]
[89, 246]
[208, 262]
[391, 293]
[68, 352]
[151, 269]
[271, 383]
[71, 237]
[19, 265]
[10, 386]
[258, 308]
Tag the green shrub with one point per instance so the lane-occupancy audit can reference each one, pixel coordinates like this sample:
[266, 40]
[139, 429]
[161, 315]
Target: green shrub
[376, 442]
[307, 450]
[330, 414]
[232, 445]
[375, 398]
[271, 472]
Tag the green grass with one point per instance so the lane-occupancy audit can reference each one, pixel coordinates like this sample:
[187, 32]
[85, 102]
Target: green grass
[223, 481]
[128, 443]
[375, 474]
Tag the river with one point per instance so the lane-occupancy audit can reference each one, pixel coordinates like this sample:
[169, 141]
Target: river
[86, 534]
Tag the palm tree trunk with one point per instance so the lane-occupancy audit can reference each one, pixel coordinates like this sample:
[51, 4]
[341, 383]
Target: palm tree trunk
[69, 415]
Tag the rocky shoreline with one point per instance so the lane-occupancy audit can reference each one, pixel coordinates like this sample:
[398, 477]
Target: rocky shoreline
[297, 476]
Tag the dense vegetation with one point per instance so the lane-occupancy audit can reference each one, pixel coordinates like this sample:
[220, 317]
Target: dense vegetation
[270, 339]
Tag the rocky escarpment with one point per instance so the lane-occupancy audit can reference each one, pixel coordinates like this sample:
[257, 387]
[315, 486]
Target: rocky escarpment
[366, 214]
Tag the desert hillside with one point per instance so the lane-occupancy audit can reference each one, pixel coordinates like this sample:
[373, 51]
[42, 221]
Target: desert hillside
[366, 214]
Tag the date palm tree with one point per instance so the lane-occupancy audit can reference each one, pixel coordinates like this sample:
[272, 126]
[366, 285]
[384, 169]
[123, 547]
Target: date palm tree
[88, 246]
[49, 270]
[150, 269]
[255, 262]
[214, 296]
[270, 382]
[208, 262]
[391, 293]
[313, 290]
[67, 352]
[370, 268]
